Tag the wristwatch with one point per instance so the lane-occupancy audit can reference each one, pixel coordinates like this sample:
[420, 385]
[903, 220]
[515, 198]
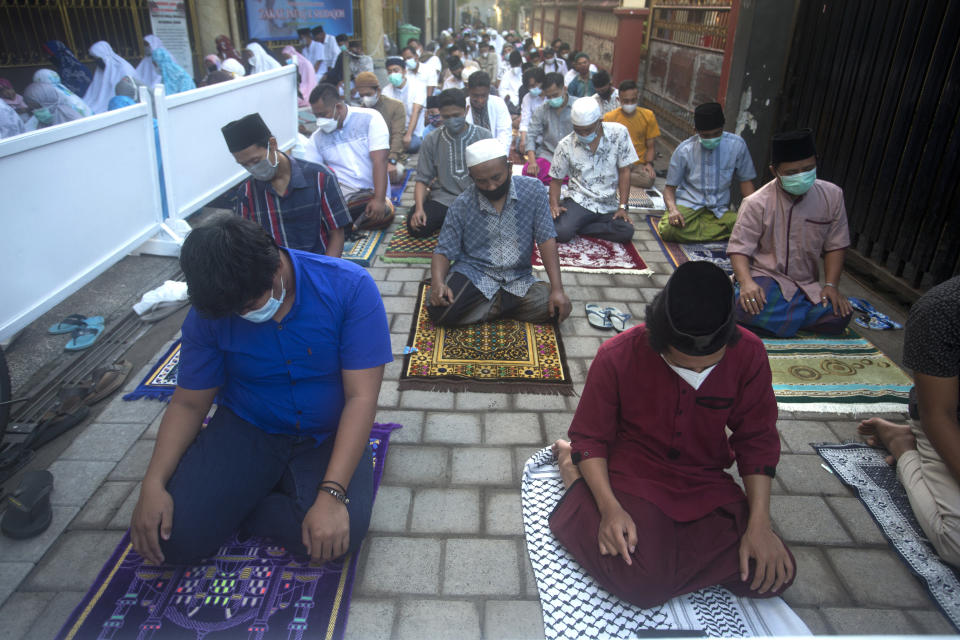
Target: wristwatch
[624, 207]
[392, 161]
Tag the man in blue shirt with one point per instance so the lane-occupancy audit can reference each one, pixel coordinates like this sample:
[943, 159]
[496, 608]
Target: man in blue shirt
[292, 345]
[701, 171]
[489, 232]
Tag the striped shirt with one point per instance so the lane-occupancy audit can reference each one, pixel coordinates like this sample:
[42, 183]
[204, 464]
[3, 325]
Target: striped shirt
[303, 217]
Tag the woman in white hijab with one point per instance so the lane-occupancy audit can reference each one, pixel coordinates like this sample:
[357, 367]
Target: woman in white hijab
[259, 59]
[110, 69]
[49, 76]
[10, 122]
[147, 73]
[233, 66]
[49, 106]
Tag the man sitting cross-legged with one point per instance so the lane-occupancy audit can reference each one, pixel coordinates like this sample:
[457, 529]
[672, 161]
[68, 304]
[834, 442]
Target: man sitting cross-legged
[649, 511]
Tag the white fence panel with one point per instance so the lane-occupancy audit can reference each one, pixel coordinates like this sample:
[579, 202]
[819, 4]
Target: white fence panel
[197, 166]
[77, 197]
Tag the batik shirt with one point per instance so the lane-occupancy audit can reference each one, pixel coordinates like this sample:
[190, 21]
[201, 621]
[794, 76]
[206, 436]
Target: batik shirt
[493, 249]
[594, 175]
[442, 162]
[703, 176]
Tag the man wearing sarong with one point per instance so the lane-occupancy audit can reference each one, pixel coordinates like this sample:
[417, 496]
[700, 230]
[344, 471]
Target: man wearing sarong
[649, 511]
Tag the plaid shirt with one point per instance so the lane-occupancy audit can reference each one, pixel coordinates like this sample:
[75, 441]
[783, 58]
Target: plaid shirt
[493, 249]
[303, 217]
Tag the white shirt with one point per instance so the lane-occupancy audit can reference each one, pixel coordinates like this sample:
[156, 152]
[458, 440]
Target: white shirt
[424, 75]
[500, 124]
[331, 52]
[557, 65]
[346, 151]
[527, 107]
[568, 78]
[314, 52]
[510, 82]
[436, 65]
[453, 82]
[412, 92]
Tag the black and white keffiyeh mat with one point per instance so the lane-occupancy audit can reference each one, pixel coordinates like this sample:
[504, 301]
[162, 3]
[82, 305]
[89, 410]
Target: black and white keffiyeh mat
[865, 470]
[575, 606]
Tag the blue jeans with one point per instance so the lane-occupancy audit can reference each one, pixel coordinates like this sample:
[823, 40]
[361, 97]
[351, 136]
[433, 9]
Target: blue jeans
[235, 476]
[415, 142]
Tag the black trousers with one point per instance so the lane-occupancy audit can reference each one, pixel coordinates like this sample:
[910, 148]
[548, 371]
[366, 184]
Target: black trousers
[436, 214]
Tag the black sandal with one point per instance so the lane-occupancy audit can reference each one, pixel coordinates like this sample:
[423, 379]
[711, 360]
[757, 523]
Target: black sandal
[28, 510]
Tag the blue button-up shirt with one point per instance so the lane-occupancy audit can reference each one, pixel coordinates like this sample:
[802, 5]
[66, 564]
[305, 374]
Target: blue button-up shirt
[493, 249]
[703, 177]
[285, 377]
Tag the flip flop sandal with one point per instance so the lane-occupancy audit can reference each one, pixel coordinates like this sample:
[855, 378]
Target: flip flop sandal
[73, 322]
[84, 337]
[28, 508]
[106, 379]
[618, 319]
[597, 316]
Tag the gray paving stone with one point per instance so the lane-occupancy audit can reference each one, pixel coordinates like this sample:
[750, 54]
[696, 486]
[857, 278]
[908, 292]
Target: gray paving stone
[402, 565]
[415, 464]
[153, 429]
[75, 481]
[389, 288]
[396, 304]
[815, 584]
[814, 620]
[134, 380]
[370, 619]
[579, 293]
[20, 611]
[856, 518]
[529, 580]
[481, 567]
[416, 399]
[11, 576]
[55, 615]
[134, 464]
[593, 279]
[390, 509]
[141, 411]
[452, 428]
[621, 293]
[539, 402]
[389, 394]
[407, 273]
[868, 621]
[398, 340]
[411, 288]
[932, 622]
[845, 430]
[511, 428]
[103, 505]
[103, 441]
[121, 519]
[798, 434]
[74, 561]
[878, 578]
[473, 401]
[520, 457]
[401, 322]
[412, 422]
[482, 466]
[446, 511]
[391, 371]
[502, 515]
[806, 520]
[438, 620]
[377, 273]
[581, 347]
[803, 474]
[556, 425]
[32, 549]
[510, 620]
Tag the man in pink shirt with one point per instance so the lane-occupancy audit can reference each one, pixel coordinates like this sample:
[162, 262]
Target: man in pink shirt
[781, 231]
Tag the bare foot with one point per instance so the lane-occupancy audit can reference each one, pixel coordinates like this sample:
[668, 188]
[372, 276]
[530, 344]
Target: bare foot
[568, 470]
[895, 438]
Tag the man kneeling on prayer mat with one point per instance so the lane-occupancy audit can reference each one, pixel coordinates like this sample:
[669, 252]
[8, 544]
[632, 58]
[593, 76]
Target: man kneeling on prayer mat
[489, 232]
[292, 345]
[776, 244]
[701, 171]
[649, 511]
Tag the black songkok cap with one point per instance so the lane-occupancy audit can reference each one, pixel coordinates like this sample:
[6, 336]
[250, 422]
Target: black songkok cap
[791, 146]
[393, 60]
[248, 130]
[699, 306]
[432, 102]
[317, 29]
[708, 116]
[303, 31]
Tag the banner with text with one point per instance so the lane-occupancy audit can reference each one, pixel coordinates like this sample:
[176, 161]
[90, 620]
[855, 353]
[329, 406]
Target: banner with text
[280, 19]
[168, 19]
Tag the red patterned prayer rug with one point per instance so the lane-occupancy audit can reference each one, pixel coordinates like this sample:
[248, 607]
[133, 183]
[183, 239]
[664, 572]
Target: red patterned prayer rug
[592, 255]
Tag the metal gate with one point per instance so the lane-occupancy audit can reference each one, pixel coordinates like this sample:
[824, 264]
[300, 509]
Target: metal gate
[879, 83]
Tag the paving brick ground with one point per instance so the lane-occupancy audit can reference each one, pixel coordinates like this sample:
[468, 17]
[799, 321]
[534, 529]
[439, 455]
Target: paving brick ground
[446, 556]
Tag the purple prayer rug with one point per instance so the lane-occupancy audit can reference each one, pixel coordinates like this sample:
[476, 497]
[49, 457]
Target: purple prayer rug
[250, 589]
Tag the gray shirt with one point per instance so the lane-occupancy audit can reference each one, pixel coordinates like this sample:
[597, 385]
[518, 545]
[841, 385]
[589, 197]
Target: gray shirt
[442, 163]
[553, 125]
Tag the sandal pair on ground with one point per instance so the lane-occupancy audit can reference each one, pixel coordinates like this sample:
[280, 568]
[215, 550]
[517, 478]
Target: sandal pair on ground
[606, 317]
[83, 330]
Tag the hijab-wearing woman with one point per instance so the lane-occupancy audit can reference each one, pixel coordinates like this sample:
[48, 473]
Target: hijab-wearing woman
[49, 76]
[175, 79]
[147, 73]
[11, 98]
[259, 59]
[73, 73]
[234, 67]
[49, 105]
[10, 122]
[226, 50]
[308, 78]
[110, 68]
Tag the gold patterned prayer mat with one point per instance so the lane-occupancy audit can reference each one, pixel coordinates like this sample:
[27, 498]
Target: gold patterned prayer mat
[405, 248]
[835, 374]
[503, 356]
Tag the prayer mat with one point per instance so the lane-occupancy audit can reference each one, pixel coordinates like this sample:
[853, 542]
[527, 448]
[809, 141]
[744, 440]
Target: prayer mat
[503, 356]
[646, 199]
[575, 606]
[396, 191]
[160, 382]
[405, 248]
[835, 374]
[863, 469]
[593, 255]
[251, 589]
[362, 250]
[677, 253]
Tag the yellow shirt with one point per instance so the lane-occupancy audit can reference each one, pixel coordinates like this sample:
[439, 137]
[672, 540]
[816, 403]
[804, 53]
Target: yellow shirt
[642, 126]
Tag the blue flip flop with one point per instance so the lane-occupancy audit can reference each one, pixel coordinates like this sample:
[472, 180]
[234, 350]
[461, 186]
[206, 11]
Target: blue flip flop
[597, 316]
[73, 322]
[872, 318]
[618, 319]
[84, 337]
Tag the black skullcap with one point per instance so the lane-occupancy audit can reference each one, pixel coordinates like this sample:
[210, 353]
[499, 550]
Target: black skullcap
[708, 116]
[317, 29]
[698, 303]
[791, 146]
[247, 131]
[303, 30]
[432, 102]
[397, 60]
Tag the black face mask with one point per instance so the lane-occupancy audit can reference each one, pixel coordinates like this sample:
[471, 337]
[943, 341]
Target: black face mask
[211, 68]
[497, 193]
[605, 94]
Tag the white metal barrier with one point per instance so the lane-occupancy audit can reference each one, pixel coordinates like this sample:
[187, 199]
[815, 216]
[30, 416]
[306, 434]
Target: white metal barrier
[77, 197]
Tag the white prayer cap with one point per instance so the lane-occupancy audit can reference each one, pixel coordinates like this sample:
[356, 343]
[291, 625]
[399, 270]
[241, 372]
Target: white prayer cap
[483, 150]
[585, 111]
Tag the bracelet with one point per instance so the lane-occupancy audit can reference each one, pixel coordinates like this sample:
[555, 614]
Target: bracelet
[829, 284]
[336, 494]
[342, 488]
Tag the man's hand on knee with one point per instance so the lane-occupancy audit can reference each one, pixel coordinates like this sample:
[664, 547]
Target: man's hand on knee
[773, 565]
[326, 529]
[618, 533]
[153, 514]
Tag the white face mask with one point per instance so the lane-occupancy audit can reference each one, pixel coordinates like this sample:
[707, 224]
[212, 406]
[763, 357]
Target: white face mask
[690, 376]
[368, 101]
[629, 108]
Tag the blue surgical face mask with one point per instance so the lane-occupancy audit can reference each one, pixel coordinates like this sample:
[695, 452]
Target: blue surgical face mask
[710, 143]
[587, 139]
[455, 125]
[536, 91]
[556, 103]
[43, 115]
[411, 64]
[396, 79]
[268, 310]
[799, 183]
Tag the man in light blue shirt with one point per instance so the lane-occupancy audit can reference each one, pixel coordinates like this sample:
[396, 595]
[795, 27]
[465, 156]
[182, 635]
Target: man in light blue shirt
[701, 172]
